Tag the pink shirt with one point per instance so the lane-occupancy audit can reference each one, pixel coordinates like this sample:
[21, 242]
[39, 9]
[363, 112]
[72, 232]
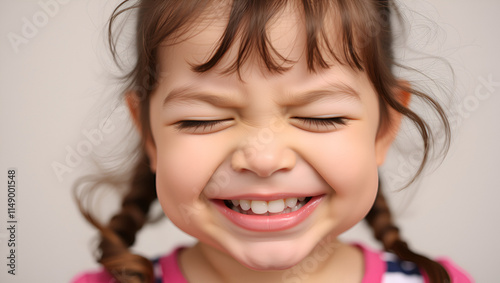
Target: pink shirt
[375, 270]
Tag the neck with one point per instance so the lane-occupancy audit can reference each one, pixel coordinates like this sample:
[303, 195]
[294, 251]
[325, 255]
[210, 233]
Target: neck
[330, 261]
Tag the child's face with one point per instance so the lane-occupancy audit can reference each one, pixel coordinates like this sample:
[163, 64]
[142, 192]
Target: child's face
[263, 148]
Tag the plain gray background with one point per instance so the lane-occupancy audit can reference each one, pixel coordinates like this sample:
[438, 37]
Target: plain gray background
[55, 86]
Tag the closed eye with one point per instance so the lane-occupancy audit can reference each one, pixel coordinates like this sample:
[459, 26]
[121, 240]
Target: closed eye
[321, 124]
[202, 126]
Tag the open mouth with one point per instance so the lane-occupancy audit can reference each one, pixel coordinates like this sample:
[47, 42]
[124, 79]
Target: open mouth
[267, 208]
[268, 215]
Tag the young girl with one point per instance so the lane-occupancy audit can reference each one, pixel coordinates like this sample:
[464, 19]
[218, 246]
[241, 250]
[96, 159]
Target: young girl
[263, 127]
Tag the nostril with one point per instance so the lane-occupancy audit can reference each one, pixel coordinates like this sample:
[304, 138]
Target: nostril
[238, 162]
[263, 161]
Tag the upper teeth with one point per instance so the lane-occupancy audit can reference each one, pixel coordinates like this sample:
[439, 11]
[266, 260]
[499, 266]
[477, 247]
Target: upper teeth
[273, 206]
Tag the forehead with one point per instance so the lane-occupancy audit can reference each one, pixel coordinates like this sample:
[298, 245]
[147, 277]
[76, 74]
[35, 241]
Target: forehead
[280, 39]
[287, 39]
[181, 84]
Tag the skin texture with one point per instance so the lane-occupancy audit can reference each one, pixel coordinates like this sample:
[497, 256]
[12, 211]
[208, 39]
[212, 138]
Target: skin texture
[263, 147]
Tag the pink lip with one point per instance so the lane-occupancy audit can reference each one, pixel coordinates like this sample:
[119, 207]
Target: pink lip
[269, 223]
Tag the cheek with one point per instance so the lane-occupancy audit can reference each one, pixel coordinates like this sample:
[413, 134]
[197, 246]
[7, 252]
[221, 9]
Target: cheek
[184, 166]
[353, 165]
[343, 157]
[346, 161]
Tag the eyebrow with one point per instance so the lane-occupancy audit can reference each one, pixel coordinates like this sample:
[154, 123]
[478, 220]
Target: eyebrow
[188, 94]
[338, 90]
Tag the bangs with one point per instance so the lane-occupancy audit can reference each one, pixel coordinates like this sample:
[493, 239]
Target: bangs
[342, 31]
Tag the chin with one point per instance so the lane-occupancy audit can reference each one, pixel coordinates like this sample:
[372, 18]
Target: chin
[278, 257]
[269, 265]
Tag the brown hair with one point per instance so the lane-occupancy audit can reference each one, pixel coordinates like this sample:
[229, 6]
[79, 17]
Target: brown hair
[366, 44]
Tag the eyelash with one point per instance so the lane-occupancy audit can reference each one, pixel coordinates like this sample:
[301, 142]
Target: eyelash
[209, 124]
[197, 124]
[319, 122]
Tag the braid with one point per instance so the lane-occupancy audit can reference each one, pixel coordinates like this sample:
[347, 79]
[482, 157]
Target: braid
[119, 234]
[380, 220]
[122, 228]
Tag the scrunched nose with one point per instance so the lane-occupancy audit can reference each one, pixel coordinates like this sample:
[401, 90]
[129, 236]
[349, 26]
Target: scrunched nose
[264, 160]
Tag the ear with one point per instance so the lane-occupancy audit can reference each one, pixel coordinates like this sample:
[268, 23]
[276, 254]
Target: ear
[388, 133]
[133, 103]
